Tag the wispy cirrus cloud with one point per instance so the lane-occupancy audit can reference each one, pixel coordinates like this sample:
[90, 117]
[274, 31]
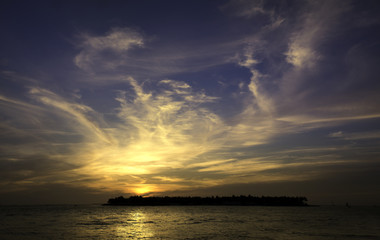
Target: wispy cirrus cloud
[248, 9]
[170, 123]
[252, 101]
[314, 27]
[121, 52]
[291, 92]
[355, 135]
[95, 49]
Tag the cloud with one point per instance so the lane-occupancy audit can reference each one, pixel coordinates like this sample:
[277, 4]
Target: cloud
[54, 193]
[307, 91]
[266, 104]
[170, 122]
[355, 135]
[37, 167]
[122, 52]
[314, 27]
[301, 55]
[247, 9]
[321, 121]
[95, 48]
[78, 112]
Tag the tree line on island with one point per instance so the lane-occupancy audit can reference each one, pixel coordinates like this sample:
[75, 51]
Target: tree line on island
[214, 200]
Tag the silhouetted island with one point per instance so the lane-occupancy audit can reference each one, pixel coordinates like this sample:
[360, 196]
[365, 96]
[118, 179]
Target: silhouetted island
[234, 200]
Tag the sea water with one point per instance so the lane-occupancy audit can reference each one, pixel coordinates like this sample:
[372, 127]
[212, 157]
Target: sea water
[188, 222]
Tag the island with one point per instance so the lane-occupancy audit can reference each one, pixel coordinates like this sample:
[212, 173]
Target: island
[214, 200]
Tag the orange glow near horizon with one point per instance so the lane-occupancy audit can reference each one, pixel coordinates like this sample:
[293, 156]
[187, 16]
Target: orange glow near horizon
[167, 142]
[143, 189]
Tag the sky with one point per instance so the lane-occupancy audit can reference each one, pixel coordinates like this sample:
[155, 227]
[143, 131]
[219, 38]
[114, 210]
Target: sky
[189, 98]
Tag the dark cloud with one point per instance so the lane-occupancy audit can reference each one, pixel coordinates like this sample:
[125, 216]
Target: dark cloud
[358, 188]
[51, 193]
[18, 173]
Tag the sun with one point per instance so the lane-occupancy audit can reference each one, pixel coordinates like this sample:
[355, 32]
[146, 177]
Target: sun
[143, 190]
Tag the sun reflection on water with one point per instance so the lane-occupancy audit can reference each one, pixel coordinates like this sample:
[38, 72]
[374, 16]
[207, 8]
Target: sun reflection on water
[136, 227]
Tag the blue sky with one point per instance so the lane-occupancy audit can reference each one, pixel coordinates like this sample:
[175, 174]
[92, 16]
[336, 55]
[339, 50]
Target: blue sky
[102, 98]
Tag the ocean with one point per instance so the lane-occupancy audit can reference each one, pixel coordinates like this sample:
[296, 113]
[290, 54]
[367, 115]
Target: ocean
[188, 222]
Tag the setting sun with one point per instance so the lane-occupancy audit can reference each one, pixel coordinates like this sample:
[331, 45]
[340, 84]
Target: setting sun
[142, 190]
[189, 117]
[248, 97]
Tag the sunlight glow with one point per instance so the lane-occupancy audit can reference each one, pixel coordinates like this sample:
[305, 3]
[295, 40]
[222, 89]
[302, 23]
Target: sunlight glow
[142, 190]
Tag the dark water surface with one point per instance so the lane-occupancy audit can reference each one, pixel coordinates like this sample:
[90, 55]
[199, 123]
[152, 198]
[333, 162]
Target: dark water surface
[188, 222]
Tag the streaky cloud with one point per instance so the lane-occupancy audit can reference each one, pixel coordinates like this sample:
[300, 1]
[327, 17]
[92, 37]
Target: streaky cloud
[94, 48]
[273, 93]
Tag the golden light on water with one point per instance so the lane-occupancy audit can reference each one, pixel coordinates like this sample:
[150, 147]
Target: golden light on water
[138, 227]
